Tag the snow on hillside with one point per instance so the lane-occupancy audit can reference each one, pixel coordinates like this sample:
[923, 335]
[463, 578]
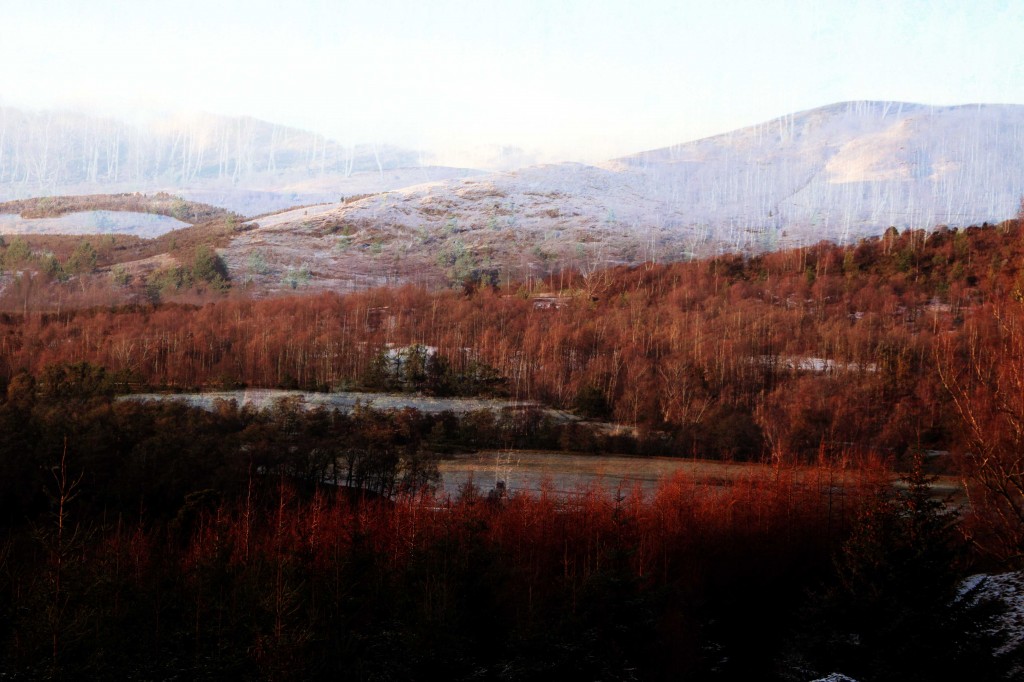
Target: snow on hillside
[92, 222]
[839, 172]
[1008, 590]
[846, 171]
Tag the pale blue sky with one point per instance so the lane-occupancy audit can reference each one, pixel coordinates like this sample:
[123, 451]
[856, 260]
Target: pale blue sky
[573, 80]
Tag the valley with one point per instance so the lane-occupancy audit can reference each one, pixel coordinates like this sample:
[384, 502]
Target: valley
[512, 341]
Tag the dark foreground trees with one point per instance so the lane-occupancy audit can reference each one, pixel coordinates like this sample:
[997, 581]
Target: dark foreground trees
[275, 583]
[897, 608]
[158, 540]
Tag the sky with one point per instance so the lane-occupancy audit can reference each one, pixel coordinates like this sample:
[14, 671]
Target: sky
[569, 80]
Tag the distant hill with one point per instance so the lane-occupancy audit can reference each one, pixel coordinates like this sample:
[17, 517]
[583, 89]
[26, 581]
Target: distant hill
[843, 171]
[838, 172]
[240, 163]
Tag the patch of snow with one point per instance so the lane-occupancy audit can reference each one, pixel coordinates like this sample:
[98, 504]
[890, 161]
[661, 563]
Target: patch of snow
[344, 401]
[1008, 589]
[92, 222]
[807, 363]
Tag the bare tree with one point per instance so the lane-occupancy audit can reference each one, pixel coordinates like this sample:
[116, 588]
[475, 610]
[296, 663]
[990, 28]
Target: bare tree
[985, 379]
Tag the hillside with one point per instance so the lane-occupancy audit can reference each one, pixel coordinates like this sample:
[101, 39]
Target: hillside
[792, 350]
[839, 172]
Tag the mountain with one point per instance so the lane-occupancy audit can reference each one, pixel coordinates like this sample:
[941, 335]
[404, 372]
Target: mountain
[845, 171]
[240, 163]
[838, 172]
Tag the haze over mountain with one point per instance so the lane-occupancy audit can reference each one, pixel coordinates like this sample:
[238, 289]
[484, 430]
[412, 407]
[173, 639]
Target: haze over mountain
[241, 163]
[838, 172]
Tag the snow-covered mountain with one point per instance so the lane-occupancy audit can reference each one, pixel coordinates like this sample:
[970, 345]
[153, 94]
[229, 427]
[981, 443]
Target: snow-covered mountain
[844, 171]
[838, 172]
[240, 163]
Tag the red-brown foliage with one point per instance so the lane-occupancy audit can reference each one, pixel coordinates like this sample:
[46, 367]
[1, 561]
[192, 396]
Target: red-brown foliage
[788, 350]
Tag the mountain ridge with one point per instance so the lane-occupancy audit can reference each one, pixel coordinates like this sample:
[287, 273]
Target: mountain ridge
[839, 172]
[248, 165]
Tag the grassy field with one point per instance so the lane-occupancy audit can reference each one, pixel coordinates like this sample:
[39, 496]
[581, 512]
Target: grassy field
[567, 474]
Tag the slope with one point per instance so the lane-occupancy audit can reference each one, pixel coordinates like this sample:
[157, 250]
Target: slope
[838, 172]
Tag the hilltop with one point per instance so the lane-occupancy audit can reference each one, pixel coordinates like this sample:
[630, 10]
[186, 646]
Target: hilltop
[839, 172]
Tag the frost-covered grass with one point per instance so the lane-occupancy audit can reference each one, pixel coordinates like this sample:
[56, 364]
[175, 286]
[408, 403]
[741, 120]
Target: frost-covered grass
[1007, 589]
[839, 173]
[345, 401]
[568, 473]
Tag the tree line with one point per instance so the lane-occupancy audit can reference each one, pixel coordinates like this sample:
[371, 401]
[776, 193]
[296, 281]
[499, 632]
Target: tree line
[781, 354]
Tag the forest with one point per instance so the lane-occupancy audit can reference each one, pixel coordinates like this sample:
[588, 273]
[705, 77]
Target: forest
[156, 540]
